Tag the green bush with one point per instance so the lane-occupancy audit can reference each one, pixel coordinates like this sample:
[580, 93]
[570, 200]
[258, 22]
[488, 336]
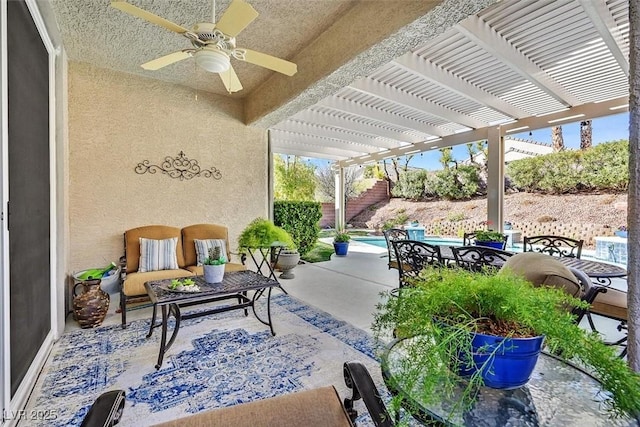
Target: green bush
[410, 185]
[455, 183]
[402, 218]
[301, 220]
[561, 173]
[601, 167]
[606, 166]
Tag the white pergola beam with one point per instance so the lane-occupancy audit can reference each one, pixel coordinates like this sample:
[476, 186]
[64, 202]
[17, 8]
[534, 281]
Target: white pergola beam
[601, 18]
[479, 32]
[342, 104]
[428, 70]
[323, 131]
[390, 93]
[589, 111]
[316, 117]
[305, 138]
[314, 150]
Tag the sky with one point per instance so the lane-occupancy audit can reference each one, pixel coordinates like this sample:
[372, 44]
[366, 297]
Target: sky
[610, 128]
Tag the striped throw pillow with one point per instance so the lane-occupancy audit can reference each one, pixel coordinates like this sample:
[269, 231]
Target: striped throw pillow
[158, 254]
[203, 246]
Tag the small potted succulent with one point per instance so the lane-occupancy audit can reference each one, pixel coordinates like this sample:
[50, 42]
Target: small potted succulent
[341, 243]
[213, 266]
[490, 238]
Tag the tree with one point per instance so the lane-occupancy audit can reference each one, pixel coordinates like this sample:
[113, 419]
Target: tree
[633, 205]
[446, 157]
[585, 135]
[556, 138]
[294, 179]
[327, 186]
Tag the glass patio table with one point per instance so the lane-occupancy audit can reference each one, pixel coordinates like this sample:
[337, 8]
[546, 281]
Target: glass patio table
[558, 394]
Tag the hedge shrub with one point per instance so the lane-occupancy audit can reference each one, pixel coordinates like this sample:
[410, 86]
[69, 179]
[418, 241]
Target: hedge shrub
[601, 167]
[457, 183]
[410, 185]
[606, 166]
[301, 220]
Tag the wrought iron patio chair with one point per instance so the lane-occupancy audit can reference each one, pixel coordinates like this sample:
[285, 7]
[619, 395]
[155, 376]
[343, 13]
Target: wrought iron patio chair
[413, 256]
[558, 246]
[610, 303]
[478, 258]
[469, 239]
[390, 236]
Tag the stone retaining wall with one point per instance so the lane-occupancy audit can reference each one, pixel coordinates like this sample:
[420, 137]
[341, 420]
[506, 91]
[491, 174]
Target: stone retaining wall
[587, 232]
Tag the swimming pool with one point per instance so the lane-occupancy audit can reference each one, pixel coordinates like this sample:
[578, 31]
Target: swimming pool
[434, 240]
[381, 242]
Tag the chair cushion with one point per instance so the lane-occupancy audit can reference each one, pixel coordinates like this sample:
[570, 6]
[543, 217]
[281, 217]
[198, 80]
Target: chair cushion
[203, 247]
[132, 243]
[158, 254]
[230, 266]
[201, 231]
[612, 303]
[543, 269]
[320, 407]
[134, 283]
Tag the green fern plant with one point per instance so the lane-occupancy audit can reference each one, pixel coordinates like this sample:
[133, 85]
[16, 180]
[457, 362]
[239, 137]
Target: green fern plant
[444, 305]
[262, 233]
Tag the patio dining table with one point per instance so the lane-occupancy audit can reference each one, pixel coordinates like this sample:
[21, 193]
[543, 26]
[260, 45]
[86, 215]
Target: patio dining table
[601, 273]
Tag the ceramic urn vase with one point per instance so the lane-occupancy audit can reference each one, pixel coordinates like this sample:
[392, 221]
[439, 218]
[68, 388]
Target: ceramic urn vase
[90, 303]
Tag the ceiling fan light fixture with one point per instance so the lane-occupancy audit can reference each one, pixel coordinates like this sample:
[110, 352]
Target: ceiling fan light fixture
[214, 61]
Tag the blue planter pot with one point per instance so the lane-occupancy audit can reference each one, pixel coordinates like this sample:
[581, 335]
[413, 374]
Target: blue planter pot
[505, 363]
[621, 233]
[495, 245]
[341, 248]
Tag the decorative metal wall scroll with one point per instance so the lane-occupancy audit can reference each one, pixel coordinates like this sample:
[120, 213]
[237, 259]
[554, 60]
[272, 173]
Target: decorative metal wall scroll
[180, 167]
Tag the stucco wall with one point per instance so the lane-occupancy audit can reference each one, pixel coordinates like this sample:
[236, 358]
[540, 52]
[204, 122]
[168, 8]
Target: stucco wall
[117, 120]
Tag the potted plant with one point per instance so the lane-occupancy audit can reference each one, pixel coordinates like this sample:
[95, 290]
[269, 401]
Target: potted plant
[490, 238]
[447, 309]
[213, 266]
[341, 243]
[262, 233]
[287, 260]
[273, 243]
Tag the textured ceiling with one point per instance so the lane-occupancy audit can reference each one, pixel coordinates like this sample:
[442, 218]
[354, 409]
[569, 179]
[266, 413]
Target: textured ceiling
[96, 33]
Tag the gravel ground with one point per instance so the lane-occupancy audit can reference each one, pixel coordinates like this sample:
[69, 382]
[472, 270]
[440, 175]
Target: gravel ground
[604, 209]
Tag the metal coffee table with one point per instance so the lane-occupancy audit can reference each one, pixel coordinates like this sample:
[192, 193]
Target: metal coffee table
[234, 286]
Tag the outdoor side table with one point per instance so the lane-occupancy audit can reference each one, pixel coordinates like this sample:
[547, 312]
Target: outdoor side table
[234, 286]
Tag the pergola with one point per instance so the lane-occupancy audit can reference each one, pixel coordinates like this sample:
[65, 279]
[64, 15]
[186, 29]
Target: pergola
[517, 65]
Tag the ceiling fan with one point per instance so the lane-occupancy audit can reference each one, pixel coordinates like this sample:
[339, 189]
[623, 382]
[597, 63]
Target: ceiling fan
[213, 43]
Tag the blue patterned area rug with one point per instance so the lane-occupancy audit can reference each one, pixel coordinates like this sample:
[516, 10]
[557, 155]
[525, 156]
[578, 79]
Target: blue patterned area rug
[216, 361]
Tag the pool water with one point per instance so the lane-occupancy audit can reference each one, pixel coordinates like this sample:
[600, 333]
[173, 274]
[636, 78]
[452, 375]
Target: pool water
[433, 240]
[381, 242]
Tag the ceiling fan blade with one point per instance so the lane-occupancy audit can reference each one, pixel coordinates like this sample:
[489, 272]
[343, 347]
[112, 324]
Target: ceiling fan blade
[270, 62]
[236, 18]
[230, 80]
[147, 16]
[163, 61]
